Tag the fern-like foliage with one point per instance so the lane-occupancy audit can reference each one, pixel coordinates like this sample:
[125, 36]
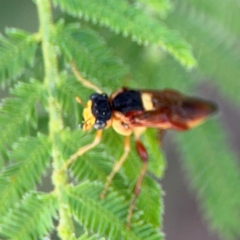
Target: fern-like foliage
[67, 88]
[89, 39]
[84, 201]
[32, 219]
[129, 20]
[17, 51]
[91, 55]
[95, 166]
[24, 172]
[86, 236]
[17, 114]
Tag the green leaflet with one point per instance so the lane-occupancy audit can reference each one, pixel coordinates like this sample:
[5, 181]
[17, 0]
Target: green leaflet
[129, 20]
[156, 156]
[29, 157]
[90, 237]
[66, 92]
[106, 217]
[17, 50]
[150, 201]
[17, 114]
[32, 219]
[92, 56]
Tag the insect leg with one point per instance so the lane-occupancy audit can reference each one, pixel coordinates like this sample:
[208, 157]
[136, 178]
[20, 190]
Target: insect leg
[142, 152]
[79, 100]
[83, 150]
[82, 80]
[117, 166]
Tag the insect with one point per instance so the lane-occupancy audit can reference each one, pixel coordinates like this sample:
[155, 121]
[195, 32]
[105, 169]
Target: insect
[131, 112]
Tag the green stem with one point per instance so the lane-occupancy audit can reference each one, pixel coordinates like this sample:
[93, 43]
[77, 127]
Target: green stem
[65, 228]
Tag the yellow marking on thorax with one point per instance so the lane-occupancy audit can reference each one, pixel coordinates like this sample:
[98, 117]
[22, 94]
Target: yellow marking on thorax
[120, 125]
[147, 101]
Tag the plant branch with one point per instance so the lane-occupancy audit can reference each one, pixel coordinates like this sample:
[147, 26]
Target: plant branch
[65, 228]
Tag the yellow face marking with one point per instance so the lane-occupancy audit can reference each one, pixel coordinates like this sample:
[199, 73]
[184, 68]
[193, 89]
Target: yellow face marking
[89, 119]
[147, 101]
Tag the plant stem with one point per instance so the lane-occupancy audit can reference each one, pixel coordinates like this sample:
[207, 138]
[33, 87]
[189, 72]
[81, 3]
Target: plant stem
[65, 228]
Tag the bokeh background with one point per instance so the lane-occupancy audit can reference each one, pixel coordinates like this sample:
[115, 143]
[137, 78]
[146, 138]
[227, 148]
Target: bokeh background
[183, 219]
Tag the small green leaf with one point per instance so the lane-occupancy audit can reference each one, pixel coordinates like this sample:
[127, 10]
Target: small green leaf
[157, 162]
[17, 51]
[17, 114]
[86, 236]
[30, 157]
[123, 17]
[31, 219]
[90, 53]
[107, 217]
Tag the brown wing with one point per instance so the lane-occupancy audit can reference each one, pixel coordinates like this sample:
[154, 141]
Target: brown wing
[173, 110]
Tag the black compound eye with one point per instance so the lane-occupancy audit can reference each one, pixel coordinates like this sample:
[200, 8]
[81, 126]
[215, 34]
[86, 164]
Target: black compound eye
[99, 124]
[94, 96]
[101, 109]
